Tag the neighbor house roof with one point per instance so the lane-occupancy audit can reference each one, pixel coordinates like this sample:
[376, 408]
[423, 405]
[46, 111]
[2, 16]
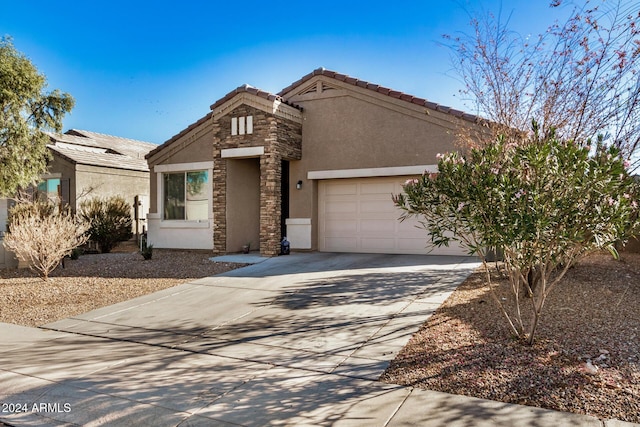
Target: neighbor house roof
[383, 90]
[96, 149]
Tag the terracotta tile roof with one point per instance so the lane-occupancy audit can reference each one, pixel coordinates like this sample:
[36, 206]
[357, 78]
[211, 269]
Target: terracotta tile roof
[96, 149]
[320, 71]
[254, 91]
[244, 88]
[383, 90]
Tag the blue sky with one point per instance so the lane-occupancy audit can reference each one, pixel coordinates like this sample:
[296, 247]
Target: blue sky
[146, 70]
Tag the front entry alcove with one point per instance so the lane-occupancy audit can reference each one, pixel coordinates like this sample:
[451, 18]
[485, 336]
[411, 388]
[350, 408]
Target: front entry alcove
[243, 204]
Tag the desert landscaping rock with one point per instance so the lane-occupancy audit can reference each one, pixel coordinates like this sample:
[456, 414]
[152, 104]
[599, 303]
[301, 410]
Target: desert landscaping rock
[586, 358]
[97, 280]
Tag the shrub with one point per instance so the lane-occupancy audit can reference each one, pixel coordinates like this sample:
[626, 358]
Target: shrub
[30, 206]
[147, 251]
[543, 202]
[75, 253]
[110, 221]
[42, 237]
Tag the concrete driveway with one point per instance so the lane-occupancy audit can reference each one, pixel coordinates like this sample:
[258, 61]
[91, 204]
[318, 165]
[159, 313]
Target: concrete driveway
[294, 340]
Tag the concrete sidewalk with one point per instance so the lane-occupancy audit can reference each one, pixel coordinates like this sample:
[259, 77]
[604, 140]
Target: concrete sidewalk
[297, 340]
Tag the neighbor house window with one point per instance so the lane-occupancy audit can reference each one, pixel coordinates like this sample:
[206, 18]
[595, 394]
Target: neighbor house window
[49, 190]
[185, 195]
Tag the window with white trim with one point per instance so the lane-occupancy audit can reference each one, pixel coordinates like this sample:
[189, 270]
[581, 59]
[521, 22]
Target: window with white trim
[185, 195]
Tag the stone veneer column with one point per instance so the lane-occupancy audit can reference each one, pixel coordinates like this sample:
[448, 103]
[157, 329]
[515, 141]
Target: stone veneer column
[270, 194]
[219, 186]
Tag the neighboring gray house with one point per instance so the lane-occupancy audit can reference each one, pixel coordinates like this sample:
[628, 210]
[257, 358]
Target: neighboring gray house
[87, 164]
[316, 162]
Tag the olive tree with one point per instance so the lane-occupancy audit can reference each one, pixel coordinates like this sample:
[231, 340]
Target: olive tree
[544, 202]
[27, 111]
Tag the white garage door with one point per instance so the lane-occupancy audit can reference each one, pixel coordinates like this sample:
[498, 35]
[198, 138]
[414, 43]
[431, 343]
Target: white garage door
[358, 215]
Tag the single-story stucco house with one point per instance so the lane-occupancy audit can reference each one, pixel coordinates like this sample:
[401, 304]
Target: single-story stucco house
[87, 164]
[316, 162]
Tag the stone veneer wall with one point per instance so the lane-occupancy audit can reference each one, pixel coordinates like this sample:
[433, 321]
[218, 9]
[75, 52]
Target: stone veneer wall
[282, 140]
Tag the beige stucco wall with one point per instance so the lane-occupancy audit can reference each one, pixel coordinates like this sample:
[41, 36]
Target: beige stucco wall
[194, 146]
[355, 128]
[94, 181]
[243, 204]
[344, 128]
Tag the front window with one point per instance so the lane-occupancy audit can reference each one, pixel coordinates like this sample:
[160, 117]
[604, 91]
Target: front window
[185, 195]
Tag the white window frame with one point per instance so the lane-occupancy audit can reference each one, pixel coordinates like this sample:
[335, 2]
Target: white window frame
[160, 170]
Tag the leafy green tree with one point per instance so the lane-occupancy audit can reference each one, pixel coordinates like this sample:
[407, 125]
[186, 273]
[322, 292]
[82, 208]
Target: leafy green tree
[545, 203]
[110, 221]
[27, 111]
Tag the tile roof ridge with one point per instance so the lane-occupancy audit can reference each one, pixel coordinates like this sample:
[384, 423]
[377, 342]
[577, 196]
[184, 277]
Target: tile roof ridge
[321, 71]
[254, 91]
[92, 134]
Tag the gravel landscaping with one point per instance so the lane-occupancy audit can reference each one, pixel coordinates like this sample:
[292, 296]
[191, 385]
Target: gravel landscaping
[97, 280]
[464, 348]
[594, 315]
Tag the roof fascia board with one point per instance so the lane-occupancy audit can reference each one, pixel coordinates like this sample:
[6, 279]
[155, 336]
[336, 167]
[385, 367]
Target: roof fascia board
[379, 99]
[276, 107]
[180, 142]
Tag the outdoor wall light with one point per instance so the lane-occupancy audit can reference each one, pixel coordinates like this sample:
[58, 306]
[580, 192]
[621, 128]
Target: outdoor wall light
[299, 185]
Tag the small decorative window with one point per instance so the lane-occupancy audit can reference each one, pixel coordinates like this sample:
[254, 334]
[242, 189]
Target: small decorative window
[185, 195]
[242, 125]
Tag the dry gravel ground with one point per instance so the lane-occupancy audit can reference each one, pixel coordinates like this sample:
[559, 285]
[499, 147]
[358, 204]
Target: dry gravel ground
[97, 280]
[465, 347]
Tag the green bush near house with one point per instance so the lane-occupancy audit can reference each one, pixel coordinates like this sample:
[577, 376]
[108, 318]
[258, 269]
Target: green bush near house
[147, 251]
[110, 221]
[543, 201]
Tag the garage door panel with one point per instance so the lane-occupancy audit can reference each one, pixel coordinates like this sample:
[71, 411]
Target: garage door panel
[340, 206]
[377, 227]
[378, 206]
[377, 188]
[341, 227]
[358, 215]
[342, 189]
[377, 245]
[413, 245]
[339, 244]
[410, 226]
